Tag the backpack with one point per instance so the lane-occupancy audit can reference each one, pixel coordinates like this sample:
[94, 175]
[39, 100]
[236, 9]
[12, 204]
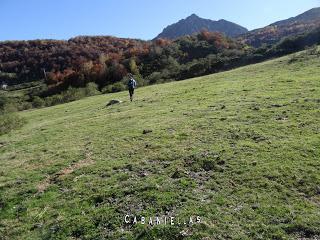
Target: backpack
[131, 83]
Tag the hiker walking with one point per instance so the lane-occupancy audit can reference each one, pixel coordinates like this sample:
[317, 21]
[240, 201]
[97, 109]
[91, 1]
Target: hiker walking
[131, 86]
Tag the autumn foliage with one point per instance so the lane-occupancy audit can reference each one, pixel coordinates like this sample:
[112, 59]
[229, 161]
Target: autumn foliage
[103, 59]
[106, 61]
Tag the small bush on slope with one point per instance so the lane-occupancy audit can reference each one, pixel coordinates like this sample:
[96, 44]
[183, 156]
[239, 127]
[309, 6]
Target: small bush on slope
[8, 120]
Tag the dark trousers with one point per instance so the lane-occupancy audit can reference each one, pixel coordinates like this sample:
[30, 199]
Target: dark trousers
[131, 92]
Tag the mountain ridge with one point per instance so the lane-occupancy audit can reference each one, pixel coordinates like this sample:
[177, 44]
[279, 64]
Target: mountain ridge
[274, 32]
[270, 34]
[194, 24]
[309, 15]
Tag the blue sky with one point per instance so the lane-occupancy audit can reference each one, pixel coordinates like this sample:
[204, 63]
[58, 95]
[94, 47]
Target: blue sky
[144, 19]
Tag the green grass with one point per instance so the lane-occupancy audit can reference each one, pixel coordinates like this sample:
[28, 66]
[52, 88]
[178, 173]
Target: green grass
[241, 149]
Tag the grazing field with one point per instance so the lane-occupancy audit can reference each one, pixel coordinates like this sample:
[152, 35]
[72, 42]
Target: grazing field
[240, 149]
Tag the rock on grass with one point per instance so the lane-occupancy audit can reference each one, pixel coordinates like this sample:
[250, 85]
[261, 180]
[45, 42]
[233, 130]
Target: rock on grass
[146, 131]
[113, 101]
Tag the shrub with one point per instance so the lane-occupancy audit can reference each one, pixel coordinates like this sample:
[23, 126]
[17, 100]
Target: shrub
[91, 89]
[24, 106]
[73, 94]
[53, 100]
[141, 81]
[116, 87]
[6, 104]
[10, 121]
[154, 77]
[38, 102]
[3, 101]
[106, 89]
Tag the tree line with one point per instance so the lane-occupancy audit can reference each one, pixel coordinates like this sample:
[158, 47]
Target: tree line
[83, 66]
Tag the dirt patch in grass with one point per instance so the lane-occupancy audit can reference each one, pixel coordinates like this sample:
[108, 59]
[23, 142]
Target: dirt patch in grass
[66, 171]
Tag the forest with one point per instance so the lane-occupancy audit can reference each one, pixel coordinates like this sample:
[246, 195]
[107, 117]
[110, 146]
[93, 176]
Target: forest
[52, 72]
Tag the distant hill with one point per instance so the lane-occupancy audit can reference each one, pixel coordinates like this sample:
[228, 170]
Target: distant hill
[311, 15]
[273, 33]
[194, 24]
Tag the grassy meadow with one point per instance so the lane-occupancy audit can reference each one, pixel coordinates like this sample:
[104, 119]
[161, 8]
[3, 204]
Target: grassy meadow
[240, 149]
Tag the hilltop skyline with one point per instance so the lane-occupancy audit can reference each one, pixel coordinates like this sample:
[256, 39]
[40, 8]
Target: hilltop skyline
[37, 19]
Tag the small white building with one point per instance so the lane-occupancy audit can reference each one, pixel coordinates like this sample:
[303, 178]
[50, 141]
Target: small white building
[4, 86]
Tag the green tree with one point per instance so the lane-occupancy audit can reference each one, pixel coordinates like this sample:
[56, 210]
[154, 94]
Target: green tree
[133, 67]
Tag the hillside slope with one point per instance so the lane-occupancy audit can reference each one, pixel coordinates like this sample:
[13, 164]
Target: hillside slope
[310, 15]
[273, 33]
[241, 149]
